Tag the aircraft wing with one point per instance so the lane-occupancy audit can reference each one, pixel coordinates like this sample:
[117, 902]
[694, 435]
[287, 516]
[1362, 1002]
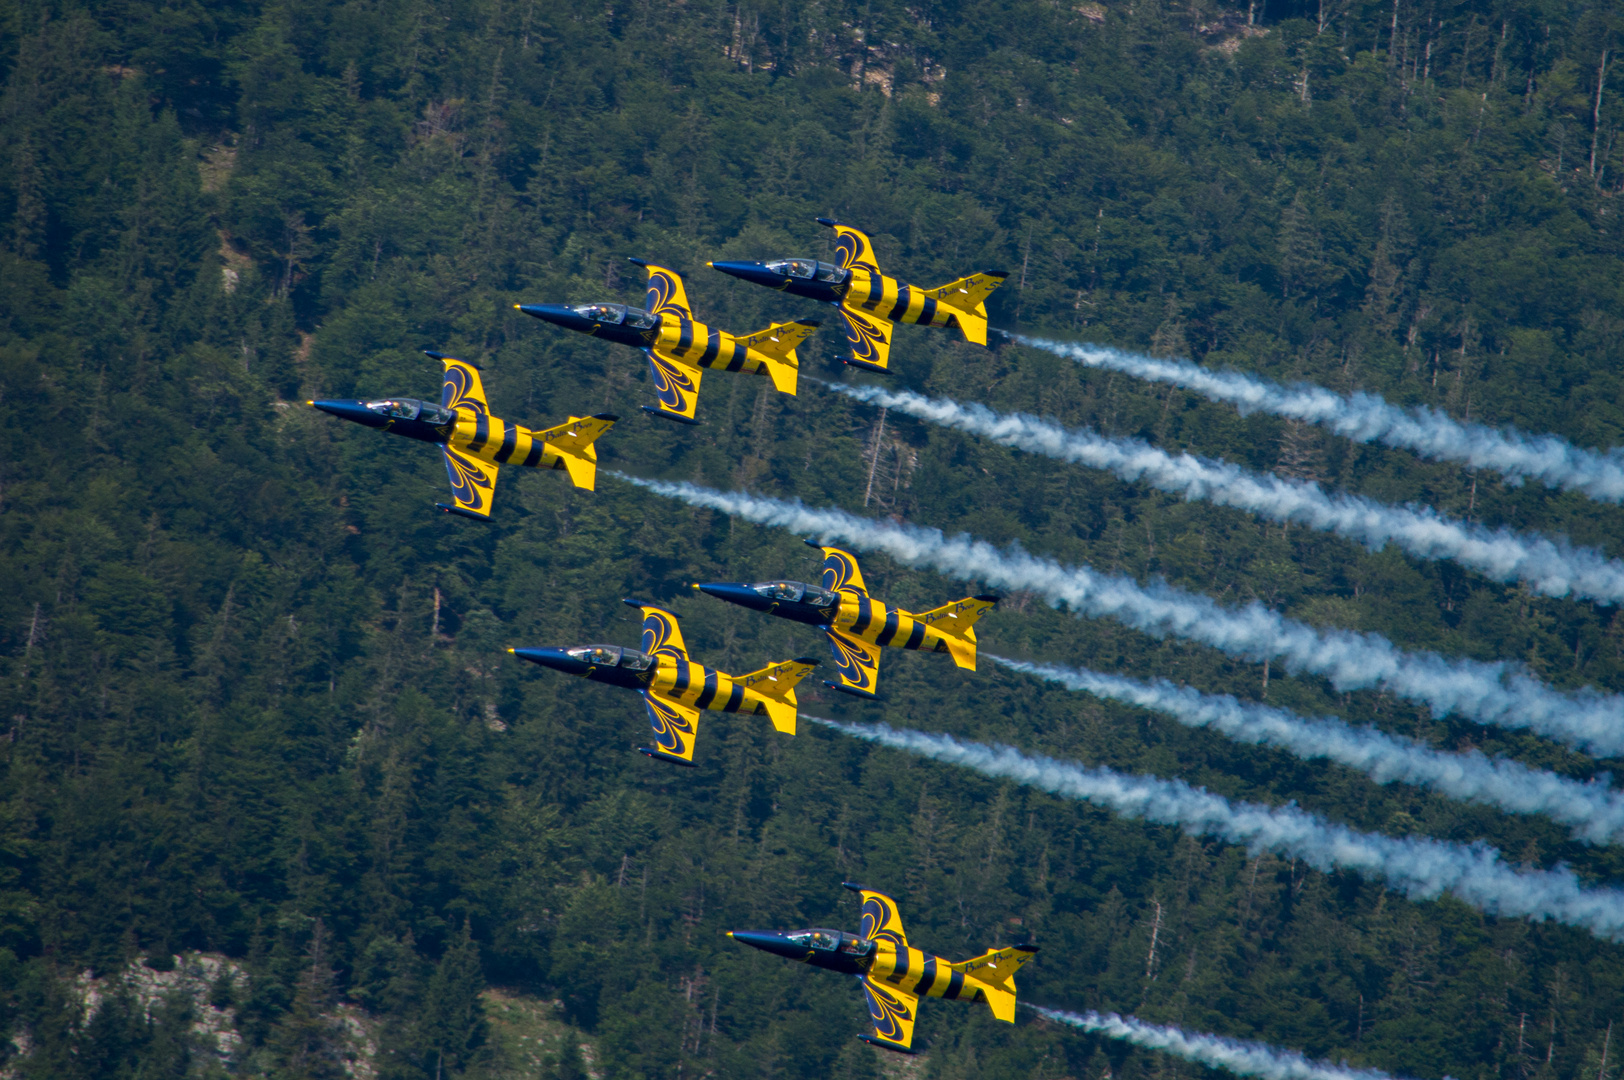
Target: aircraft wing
[881, 920]
[462, 385]
[856, 662]
[869, 337]
[473, 484]
[840, 570]
[855, 249]
[675, 728]
[893, 1011]
[665, 295]
[676, 384]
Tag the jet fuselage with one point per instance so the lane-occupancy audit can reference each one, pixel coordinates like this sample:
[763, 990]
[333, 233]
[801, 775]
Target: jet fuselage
[686, 339]
[859, 289]
[913, 970]
[464, 428]
[680, 680]
[852, 613]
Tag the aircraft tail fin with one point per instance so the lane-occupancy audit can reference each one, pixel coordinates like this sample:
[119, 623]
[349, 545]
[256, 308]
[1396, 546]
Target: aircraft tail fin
[572, 442]
[994, 971]
[776, 684]
[776, 346]
[956, 623]
[967, 299]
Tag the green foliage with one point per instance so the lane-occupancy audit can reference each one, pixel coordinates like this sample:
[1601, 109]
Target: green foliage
[253, 689]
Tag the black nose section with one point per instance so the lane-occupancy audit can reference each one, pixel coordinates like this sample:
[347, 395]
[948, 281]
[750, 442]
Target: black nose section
[557, 659]
[355, 411]
[558, 315]
[743, 595]
[751, 271]
[772, 941]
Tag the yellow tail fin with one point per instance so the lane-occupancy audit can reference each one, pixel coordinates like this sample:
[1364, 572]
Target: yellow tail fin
[994, 972]
[572, 442]
[776, 347]
[956, 623]
[967, 298]
[776, 685]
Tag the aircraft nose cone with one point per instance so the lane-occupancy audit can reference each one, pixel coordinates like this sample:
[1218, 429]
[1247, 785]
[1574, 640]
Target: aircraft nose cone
[555, 658]
[768, 941]
[743, 595]
[750, 271]
[557, 314]
[355, 411]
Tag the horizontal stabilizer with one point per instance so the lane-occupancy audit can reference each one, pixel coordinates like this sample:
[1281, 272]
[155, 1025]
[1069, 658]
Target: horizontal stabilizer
[776, 684]
[967, 299]
[572, 442]
[995, 972]
[956, 623]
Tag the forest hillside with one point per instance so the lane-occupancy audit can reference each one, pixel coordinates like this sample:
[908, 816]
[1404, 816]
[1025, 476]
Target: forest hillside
[255, 699]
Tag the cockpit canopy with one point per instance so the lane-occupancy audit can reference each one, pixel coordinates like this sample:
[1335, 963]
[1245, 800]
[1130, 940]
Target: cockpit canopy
[406, 408]
[616, 314]
[808, 270]
[795, 592]
[833, 941]
[612, 656]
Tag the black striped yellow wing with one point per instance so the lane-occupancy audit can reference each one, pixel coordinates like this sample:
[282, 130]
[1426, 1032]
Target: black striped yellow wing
[856, 662]
[676, 726]
[893, 1011]
[473, 482]
[855, 249]
[840, 571]
[675, 383]
[881, 920]
[462, 386]
[869, 337]
[666, 294]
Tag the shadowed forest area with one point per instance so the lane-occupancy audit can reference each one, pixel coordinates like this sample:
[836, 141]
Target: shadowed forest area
[254, 693]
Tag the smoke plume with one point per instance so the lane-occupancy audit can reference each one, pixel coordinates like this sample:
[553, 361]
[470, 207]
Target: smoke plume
[1501, 693]
[1593, 811]
[1553, 567]
[1418, 867]
[1366, 417]
[1214, 1051]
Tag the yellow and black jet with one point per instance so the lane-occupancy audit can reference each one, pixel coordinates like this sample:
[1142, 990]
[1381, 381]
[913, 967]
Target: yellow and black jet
[475, 442]
[679, 348]
[869, 302]
[894, 974]
[674, 688]
[857, 626]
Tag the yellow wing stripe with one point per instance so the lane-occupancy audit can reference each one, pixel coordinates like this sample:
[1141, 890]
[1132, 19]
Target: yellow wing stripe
[473, 482]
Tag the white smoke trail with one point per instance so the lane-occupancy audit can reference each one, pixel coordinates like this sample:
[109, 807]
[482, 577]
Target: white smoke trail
[1500, 693]
[1593, 810]
[1418, 867]
[1552, 567]
[1366, 417]
[1214, 1051]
